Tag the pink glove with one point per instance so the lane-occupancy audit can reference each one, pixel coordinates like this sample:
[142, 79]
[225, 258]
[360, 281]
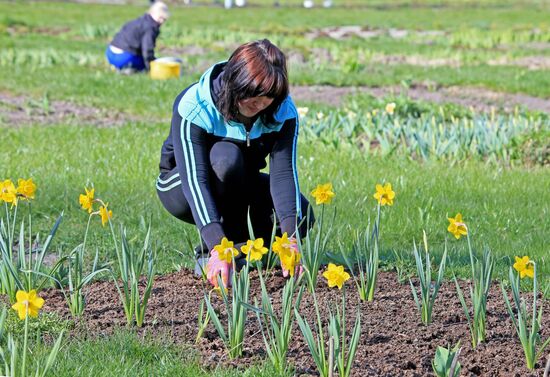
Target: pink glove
[216, 267]
[299, 270]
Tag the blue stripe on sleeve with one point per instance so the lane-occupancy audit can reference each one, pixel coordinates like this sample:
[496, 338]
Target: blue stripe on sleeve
[185, 133]
[295, 172]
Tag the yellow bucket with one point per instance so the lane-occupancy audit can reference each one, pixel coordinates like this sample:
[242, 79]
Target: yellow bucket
[162, 70]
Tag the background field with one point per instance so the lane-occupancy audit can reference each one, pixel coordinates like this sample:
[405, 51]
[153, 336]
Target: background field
[68, 121]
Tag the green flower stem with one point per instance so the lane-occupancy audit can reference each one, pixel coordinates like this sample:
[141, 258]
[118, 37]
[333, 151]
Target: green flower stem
[30, 250]
[321, 342]
[86, 233]
[24, 362]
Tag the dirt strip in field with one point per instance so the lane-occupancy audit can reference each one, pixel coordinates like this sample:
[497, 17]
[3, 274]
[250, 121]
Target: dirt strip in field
[16, 111]
[393, 341]
[483, 100]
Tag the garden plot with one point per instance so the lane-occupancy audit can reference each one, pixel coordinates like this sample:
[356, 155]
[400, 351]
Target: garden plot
[393, 340]
[398, 327]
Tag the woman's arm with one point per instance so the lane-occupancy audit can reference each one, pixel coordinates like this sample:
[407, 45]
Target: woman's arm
[193, 162]
[283, 174]
[148, 42]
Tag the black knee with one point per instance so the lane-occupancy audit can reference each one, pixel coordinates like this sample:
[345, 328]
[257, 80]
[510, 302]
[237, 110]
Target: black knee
[227, 162]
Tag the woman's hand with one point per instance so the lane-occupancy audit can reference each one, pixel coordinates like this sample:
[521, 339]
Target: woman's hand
[299, 269]
[216, 267]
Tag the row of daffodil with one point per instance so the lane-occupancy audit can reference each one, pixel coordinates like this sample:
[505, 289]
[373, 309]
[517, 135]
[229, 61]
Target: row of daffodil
[389, 109]
[25, 190]
[131, 262]
[427, 135]
[11, 277]
[365, 274]
[527, 325]
[277, 330]
[27, 273]
[290, 255]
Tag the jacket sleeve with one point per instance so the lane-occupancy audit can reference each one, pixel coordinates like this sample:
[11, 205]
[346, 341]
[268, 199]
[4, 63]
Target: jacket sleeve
[285, 190]
[148, 46]
[193, 162]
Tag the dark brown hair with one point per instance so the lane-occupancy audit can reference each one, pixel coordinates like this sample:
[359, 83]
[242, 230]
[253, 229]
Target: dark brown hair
[254, 69]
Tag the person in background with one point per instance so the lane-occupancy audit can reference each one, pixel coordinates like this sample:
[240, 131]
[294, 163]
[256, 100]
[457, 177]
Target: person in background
[223, 128]
[133, 47]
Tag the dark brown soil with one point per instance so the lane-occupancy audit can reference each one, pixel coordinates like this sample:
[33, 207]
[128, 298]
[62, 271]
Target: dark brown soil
[479, 99]
[16, 111]
[393, 340]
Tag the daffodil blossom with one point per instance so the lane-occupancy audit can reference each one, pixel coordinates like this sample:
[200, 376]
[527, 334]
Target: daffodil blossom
[254, 250]
[105, 214]
[27, 304]
[323, 194]
[86, 200]
[335, 275]
[384, 194]
[281, 243]
[289, 259]
[8, 193]
[390, 108]
[225, 250]
[457, 227]
[525, 267]
[302, 111]
[26, 188]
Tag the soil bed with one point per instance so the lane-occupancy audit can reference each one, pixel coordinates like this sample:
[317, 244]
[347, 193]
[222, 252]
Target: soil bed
[393, 340]
[479, 99]
[17, 111]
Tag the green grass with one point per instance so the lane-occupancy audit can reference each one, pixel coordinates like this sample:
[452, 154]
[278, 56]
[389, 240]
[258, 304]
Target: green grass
[473, 36]
[126, 354]
[506, 208]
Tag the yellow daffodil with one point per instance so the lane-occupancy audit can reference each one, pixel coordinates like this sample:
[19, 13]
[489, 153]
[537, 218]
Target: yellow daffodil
[323, 194]
[390, 108]
[8, 193]
[457, 227]
[27, 304]
[335, 275]
[26, 188]
[226, 250]
[105, 214]
[86, 200]
[384, 194]
[320, 115]
[302, 111]
[525, 267]
[254, 250]
[281, 243]
[289, 259]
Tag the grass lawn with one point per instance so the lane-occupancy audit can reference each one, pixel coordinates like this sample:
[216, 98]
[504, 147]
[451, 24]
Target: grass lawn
[54, 51]
[39, 45]
[505, 207]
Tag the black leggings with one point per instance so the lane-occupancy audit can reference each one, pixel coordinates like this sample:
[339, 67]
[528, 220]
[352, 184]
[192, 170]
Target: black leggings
[234, 191]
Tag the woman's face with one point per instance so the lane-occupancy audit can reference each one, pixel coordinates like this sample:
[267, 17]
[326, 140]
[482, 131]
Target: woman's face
[249, 107]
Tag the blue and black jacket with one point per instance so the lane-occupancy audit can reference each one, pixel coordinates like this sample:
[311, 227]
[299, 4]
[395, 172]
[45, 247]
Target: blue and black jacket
[197, 125]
